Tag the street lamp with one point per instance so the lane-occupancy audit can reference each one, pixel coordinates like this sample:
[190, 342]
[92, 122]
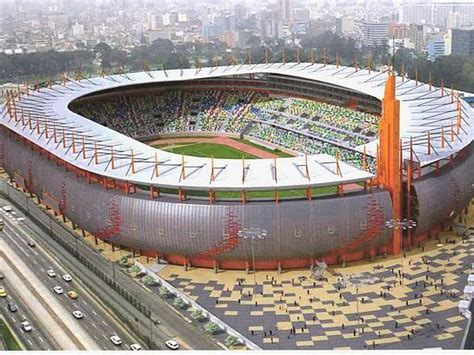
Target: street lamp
[403, 224]
[253, 234]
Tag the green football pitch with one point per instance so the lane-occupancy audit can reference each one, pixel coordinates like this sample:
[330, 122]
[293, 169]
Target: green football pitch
[220, 151]
[208, 150]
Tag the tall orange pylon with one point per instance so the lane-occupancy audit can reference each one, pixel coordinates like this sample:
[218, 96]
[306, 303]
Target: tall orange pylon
[388, 174]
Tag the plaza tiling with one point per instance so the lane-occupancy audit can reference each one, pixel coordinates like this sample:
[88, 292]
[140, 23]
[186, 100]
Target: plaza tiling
[293, 311]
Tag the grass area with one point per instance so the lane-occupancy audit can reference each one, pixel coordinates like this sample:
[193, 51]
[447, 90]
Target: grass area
[220, 151]
[265, 149]
[8, 337]
[207, 150]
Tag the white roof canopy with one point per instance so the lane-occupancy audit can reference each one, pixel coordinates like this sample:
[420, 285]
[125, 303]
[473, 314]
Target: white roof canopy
[421, 111]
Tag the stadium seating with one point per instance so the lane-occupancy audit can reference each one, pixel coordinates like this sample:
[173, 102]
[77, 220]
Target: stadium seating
[301, 125]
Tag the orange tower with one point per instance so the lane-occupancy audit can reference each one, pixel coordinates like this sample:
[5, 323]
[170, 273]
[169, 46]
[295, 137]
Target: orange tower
[388, 159]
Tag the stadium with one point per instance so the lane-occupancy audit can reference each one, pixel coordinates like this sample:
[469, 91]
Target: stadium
[365, 150]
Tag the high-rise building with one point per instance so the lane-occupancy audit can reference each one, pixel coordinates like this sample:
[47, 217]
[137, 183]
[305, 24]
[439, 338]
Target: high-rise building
[286, 11]
[417, 36]
[345, 25]
[435, 48]
[462, 42]
[437, 12]
[374, 33]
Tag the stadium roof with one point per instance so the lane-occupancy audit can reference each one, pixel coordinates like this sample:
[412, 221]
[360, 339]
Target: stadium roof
[422, 110]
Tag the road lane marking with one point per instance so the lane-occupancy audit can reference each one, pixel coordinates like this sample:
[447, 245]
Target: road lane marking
[41, 339]
[95, 313]
[15, 242]
[29, 341]
[93, 324]
[105, 323]
[13, 319]
[14, 230]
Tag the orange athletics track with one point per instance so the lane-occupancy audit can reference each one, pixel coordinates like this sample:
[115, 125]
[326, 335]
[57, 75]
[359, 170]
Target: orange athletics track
[217, 140]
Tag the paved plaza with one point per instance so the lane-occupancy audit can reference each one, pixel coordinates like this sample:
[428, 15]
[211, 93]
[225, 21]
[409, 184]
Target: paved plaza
[410, 307]
[408, 302]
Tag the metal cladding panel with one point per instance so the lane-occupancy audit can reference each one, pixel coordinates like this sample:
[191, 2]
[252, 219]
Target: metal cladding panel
[441, 194]
[295, 229]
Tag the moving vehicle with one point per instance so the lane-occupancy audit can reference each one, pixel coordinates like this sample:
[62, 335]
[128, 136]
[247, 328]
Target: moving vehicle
[172, 344]
[72, 294]
[51, 273]
[2, 275]
[67, 278]
[12, 307]
[31, 244]
[7, 208]
[135, 347]
[26, 326]
[58, 289]
[116, 339]
[3, 293]
[78, 314]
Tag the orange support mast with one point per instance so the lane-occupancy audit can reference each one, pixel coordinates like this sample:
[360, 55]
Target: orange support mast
[388, 174]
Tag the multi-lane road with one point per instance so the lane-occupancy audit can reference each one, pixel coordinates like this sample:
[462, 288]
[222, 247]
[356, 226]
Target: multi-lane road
[37, 339]
[157, 322]
[98, 322]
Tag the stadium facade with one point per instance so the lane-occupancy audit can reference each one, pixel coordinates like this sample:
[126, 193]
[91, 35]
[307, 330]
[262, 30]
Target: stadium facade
[109, 184]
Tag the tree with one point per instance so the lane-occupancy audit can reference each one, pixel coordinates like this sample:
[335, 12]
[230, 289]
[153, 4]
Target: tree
[164, 292]
[197, 315]
[179, 303]
[212, 328]
[149, 280]
[232, 340]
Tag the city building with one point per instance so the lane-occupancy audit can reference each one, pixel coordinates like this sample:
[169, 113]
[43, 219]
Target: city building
[437, 12]
[374, 33]
[435, 48]
[462, 42]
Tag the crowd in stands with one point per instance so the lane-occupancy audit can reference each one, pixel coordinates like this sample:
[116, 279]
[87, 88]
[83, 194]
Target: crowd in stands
[301, 125]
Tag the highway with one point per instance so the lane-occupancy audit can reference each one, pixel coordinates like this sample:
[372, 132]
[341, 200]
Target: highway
[97, 322]
[156, 322]
[38, 338]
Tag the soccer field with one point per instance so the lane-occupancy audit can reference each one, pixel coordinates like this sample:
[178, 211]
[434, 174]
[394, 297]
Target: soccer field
[221, 151]
[208, 150]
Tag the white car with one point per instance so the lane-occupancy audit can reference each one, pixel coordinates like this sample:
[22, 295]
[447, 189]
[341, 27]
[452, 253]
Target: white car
[26, 326]
[78, 314]
[7, 208]
[67, 278]
[172, 344]
[51, 273]
[135, 347]
[58, 289]
[116, 339]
